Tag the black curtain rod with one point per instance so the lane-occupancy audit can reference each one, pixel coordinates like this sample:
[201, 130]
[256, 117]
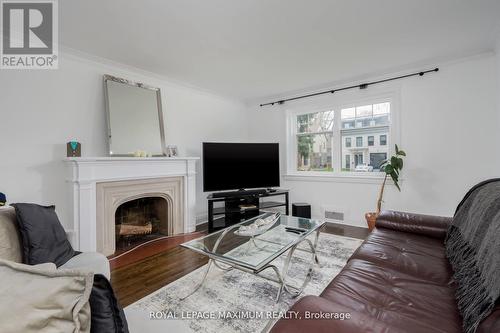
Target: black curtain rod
[360, 86]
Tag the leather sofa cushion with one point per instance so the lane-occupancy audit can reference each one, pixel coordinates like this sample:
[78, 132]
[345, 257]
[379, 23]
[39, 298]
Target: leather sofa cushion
[399, 301]
[492, 322]
[107, 314]
[10, 242]
[359, 322]
[408, 253]
[425, 225]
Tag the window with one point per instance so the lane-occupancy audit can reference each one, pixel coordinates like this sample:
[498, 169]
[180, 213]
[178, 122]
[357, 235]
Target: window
[369, 120]
[376, 160]
[359, 141]
[348, 142]
[314, 141]
[383, 140]
[358, 159]
[352, 139]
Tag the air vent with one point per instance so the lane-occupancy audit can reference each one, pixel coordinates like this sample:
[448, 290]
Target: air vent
[331, 215]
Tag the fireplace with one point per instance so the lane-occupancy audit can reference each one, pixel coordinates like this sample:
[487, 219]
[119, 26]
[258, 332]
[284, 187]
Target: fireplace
[139, 221]
[131, 212]
[100, 185]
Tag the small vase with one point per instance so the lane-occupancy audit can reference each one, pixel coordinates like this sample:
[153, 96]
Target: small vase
[370, 220]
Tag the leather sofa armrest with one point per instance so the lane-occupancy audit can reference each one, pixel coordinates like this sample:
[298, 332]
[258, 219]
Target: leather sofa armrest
[428, 225]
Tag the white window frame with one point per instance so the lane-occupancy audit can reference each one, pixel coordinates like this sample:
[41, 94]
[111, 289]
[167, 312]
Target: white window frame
[337, 104]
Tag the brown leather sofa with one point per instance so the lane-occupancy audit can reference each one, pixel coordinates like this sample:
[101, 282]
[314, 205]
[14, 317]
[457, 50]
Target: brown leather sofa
[398, 280]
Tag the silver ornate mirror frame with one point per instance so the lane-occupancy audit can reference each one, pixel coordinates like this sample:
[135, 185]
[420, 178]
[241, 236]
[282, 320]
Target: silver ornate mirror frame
[108, 113]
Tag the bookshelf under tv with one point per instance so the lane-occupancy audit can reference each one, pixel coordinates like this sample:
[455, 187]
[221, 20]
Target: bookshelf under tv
[240, 207]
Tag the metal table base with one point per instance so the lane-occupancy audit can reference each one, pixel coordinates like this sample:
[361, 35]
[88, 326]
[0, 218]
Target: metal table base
[281, 275]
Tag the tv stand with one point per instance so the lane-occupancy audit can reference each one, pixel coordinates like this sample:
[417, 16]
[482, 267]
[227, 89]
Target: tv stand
[241, 205]
[239, 193]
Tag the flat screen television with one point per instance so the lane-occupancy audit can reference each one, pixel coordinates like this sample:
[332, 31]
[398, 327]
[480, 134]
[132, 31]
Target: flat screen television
[233, 166]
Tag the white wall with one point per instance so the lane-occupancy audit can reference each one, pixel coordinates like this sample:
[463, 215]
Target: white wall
[41, 110]
[447, 129]
[497, 51]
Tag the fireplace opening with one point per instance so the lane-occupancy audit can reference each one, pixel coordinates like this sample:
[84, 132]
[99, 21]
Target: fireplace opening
[139, 221]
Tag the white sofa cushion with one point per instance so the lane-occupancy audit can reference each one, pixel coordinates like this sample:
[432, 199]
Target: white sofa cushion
[10, 242]
[44, 299]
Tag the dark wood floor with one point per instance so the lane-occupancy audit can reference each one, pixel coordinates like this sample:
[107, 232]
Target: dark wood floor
[136, 280]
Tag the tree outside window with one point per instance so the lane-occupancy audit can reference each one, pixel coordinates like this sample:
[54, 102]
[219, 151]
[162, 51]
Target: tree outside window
[314, 141]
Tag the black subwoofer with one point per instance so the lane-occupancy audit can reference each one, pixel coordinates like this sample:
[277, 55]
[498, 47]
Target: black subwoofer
[301, 209]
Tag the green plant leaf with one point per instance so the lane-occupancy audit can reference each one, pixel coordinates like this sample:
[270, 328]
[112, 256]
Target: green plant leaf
[397, 149]
[394, 162]
[395, 176]
[388, 169]
[400, 160]
[397, 186]
[401, 153]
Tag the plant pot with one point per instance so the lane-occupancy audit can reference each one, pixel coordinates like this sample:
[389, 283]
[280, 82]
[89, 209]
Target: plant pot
[370, 220]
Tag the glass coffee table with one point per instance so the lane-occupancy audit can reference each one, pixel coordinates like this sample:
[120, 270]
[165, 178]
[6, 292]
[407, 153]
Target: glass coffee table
[233, 248]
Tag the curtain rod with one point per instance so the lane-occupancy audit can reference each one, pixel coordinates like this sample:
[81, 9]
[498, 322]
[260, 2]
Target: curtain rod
[360, 86]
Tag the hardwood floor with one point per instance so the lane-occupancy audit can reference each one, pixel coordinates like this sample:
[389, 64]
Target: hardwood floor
[151, 248]
[133, 281]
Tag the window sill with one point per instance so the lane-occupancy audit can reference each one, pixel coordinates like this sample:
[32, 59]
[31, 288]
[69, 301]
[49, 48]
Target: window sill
[335, 177]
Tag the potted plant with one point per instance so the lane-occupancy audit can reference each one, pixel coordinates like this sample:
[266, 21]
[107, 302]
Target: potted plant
[391, 167]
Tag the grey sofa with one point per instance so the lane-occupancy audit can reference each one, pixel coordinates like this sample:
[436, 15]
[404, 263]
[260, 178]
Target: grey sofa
[11, 247]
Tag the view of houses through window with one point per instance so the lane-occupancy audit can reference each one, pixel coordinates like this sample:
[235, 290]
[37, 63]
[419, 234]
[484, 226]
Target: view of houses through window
[369, 124]
[362, 140]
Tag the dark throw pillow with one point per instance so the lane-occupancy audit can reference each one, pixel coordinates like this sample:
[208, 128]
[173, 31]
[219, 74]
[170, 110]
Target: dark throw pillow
[106, 313]
[43, 237]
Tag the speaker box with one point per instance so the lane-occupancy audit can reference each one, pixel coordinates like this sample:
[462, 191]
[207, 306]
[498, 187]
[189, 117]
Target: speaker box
[301, 209]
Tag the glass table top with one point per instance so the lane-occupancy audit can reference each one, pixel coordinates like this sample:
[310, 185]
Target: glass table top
[255, 252]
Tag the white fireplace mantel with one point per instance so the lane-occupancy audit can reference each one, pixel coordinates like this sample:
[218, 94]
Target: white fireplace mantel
[85, 172]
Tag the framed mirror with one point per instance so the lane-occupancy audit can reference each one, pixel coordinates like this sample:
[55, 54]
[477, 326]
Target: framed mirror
[134, 117]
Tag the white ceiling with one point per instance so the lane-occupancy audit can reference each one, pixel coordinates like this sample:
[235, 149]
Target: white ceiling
[254, 49]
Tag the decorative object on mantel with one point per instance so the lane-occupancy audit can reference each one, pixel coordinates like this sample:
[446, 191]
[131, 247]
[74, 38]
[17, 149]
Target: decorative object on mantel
[3, 199]
[392, 168]
[73, 149]
[141, 153]
[172, 151]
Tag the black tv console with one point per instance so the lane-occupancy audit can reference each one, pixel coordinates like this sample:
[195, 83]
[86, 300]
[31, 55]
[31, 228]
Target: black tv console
[238, 193]
[236, 208]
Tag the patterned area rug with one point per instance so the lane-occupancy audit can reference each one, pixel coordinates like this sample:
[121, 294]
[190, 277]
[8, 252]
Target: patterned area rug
[226, 296]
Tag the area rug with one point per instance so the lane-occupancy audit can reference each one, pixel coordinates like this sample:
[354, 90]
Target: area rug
[235, 301]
